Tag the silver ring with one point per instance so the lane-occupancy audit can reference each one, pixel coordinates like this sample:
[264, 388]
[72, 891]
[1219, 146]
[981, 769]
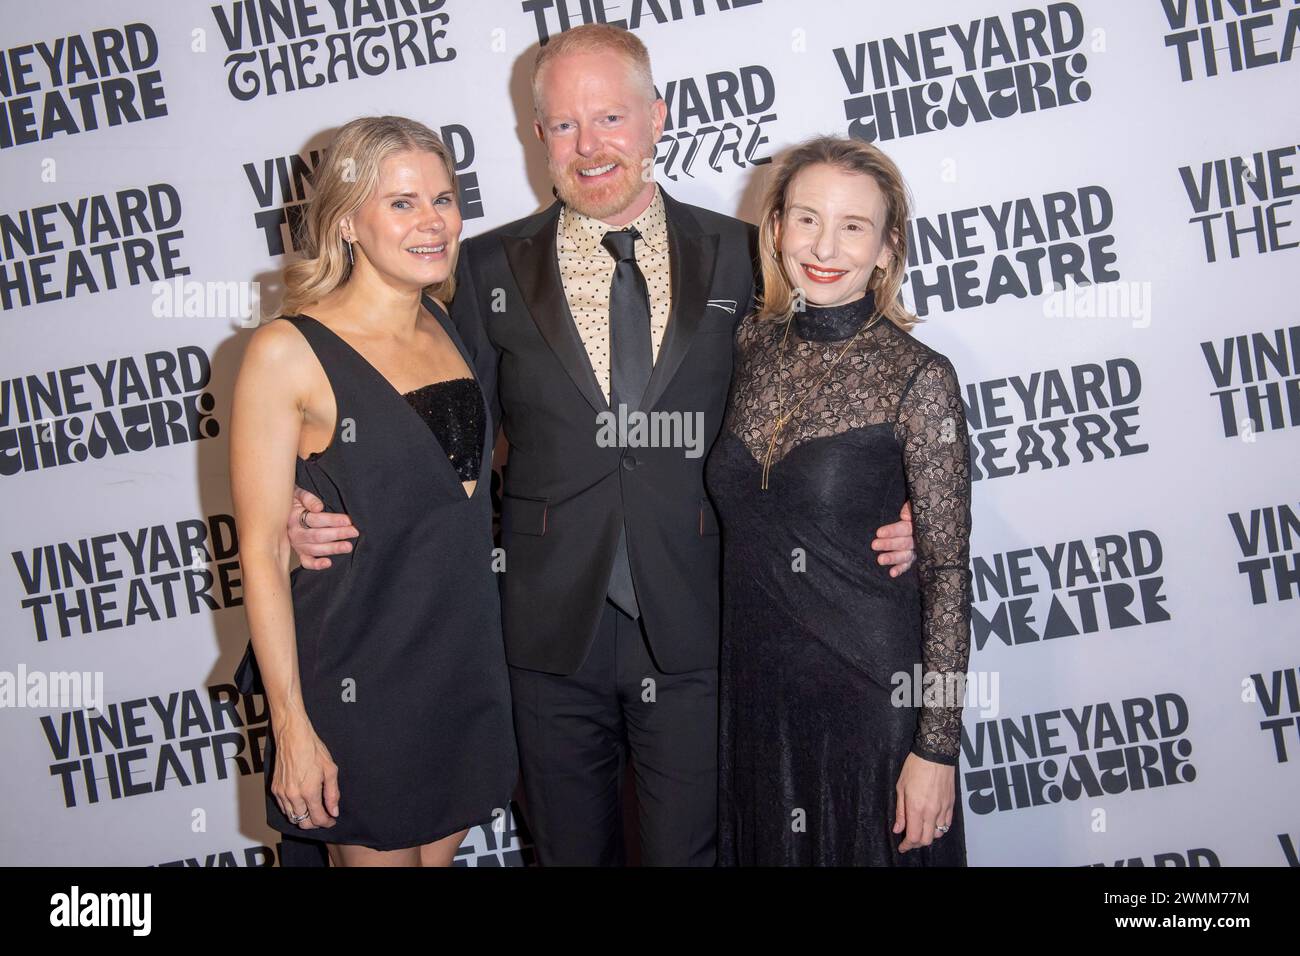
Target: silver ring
[943, 829]
[299, 818]
[302, 519]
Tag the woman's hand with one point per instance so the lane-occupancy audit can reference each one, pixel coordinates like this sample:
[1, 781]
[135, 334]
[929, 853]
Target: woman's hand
[315, 533]
[897, 543]
[925, 796]
[306, 778]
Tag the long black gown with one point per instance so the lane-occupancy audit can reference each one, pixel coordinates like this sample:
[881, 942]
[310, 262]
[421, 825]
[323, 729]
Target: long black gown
[814, 629]
[400, 652]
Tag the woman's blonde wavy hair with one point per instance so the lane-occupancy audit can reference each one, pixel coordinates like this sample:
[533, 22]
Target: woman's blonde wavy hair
[341, 184]
[854, 156]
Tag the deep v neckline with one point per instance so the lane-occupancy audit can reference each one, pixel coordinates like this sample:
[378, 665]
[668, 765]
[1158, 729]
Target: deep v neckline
[400, 397]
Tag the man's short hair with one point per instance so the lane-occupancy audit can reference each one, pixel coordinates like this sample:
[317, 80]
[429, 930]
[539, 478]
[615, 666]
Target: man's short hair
[596, 38]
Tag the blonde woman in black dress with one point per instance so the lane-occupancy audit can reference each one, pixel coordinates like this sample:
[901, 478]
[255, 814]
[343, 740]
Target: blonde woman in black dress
[837, 415]
[385, 672]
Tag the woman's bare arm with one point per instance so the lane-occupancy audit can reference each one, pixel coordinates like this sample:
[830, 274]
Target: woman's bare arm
[266, 424]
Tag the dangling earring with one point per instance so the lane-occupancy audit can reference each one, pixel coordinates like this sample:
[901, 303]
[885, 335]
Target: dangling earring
[349, 245]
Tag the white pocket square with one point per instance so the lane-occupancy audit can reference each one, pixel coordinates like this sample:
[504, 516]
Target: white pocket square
[727, 304]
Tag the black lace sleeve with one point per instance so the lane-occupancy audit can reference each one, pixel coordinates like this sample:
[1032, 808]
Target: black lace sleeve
[931, 428]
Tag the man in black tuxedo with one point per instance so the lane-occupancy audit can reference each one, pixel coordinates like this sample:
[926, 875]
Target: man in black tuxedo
[611, 311]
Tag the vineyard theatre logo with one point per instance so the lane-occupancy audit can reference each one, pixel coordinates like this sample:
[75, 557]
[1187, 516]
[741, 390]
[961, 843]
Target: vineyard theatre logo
[1269, 539]
[719, 116]
[1213, 36]
[1256, 381]
[1278, 695]
[1022, 248]
[503, 842]
[1053, 418]
[107, 581]
[281, 184]
[1069, 588]
[185, 738]
[1102, 750]
[1233, 199]
[558, 16]
[92, 244]
[1200, 856]
[1290, 849]
[79, 83]
[94, 411]
[249, 856]
[988, 69]
[275, 46]
[130, 910]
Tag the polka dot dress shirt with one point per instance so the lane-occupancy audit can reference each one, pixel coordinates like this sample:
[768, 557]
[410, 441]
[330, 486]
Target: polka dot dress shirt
[587, 269]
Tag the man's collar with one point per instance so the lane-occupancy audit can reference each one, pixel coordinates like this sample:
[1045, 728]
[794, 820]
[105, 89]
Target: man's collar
[582, 234]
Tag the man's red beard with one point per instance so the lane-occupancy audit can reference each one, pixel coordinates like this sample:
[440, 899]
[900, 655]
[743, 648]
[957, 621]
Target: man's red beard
[604, 198]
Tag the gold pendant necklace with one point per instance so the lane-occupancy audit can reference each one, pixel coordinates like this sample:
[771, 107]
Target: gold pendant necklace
[783, 418]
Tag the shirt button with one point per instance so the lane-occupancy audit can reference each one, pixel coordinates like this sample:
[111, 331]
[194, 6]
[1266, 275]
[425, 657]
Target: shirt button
[629, 462]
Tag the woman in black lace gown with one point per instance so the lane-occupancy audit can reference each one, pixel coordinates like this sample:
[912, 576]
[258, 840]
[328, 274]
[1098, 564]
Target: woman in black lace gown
[834, 749]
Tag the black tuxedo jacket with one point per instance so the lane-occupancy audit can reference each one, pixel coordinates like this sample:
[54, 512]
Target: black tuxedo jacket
[565, 496]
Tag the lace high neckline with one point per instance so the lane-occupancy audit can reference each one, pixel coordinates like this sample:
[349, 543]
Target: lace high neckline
[836, 322]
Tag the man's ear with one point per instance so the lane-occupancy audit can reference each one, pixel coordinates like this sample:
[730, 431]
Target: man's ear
[659, 115]
[537, 128]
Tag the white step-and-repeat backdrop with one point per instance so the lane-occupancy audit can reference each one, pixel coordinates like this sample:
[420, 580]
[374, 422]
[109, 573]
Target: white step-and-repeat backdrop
[1104, 243]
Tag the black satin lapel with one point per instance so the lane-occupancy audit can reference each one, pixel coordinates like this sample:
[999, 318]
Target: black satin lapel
[537, 274]
[692, 256]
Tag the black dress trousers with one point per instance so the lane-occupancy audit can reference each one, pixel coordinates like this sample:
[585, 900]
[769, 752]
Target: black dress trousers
[576, 733]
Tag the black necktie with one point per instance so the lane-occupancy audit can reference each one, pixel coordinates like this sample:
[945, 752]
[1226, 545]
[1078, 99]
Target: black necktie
[630, 358]
[630, 350]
